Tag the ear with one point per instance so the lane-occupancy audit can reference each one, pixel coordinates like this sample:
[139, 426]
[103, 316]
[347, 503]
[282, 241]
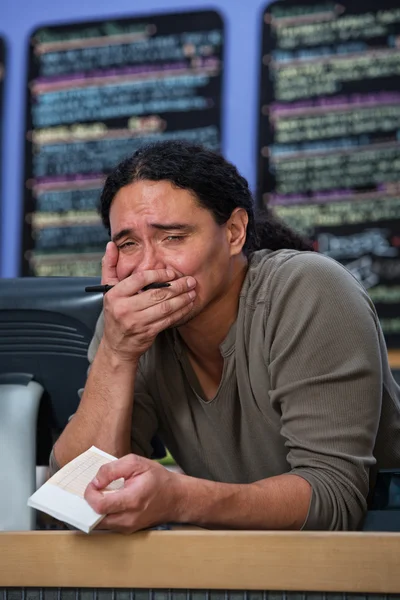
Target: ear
[236, 228]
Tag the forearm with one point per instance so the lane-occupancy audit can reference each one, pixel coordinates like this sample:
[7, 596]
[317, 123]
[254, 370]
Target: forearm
[104, 415]
[280, 502]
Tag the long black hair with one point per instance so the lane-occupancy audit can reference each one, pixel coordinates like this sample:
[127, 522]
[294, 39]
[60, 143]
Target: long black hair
[214, 182]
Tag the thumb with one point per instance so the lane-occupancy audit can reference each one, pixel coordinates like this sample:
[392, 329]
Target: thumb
[109, 265]
[123, 468]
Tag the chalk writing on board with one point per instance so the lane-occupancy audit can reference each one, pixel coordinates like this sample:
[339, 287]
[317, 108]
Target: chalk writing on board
[329, 137]
[98, 92]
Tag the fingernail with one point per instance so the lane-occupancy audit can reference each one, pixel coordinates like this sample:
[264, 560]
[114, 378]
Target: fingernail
[95, 482]
[191, 282]
[170, 273]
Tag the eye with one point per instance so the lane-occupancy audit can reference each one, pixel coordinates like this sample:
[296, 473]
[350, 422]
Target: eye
[126, 245]
[174, 238]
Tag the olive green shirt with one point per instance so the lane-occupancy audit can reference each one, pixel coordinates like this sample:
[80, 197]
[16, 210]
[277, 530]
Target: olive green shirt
[306, 389]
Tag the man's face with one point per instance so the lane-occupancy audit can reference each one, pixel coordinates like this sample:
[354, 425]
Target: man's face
[157, 226]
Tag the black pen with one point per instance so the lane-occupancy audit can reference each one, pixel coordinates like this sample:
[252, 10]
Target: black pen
[103, 289]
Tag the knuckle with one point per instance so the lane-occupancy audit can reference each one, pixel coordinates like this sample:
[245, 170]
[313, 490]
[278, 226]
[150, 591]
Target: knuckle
[138, 503]
[119, 311]
[168, 322]
[183, 286]
[160, 295]
[142, 332]
[118, 504]
[99, 505]
[132, 327]
[165, 308]
[103, 470]
[151, 333]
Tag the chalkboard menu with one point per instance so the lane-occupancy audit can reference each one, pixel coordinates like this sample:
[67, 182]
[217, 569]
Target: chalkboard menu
[329, 136]
[97, 92]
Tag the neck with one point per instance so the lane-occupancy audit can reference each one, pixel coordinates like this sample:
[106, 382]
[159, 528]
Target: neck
[204, 334]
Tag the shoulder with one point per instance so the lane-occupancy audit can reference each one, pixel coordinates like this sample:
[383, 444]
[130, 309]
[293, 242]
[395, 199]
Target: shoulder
[272, 273]
[265, 262]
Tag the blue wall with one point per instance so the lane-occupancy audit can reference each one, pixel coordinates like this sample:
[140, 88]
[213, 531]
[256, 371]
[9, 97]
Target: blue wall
[243, 23]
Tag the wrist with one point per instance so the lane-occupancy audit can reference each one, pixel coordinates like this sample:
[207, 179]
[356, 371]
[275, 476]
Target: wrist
[180, 499]
[194, 500]
[116, 360]
[207, 503]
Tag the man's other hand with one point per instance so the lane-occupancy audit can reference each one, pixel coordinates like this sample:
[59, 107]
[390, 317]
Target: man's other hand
[150, 496]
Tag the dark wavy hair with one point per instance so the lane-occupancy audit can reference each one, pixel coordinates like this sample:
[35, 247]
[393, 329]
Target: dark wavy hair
[215, 184]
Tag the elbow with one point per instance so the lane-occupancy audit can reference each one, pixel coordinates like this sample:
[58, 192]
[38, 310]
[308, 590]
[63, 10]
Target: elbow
[334, 505]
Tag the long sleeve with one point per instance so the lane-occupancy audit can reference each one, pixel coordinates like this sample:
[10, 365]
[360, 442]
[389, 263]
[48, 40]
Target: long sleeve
[325, 368]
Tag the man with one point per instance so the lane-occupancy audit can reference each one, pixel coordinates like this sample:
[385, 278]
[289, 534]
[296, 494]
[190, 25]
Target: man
[262, 366]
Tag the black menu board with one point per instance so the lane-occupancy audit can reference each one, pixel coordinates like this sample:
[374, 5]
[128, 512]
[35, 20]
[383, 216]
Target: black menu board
[329, 136]
[97, 92]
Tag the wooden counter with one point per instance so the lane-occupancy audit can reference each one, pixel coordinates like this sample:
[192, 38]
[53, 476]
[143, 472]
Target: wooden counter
[201, 559]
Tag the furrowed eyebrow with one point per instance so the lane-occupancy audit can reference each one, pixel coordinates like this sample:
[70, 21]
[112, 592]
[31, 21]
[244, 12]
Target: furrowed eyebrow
[185, 228]
[173, 227]
[121, 234]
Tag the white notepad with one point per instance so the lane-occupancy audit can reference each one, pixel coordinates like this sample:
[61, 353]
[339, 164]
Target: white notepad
[62, 495]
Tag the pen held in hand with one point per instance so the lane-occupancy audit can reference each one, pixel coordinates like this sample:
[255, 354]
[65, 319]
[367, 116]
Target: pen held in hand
[103, 289]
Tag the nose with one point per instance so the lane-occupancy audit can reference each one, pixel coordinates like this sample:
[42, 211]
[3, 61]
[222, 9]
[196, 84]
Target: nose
[151, 259]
